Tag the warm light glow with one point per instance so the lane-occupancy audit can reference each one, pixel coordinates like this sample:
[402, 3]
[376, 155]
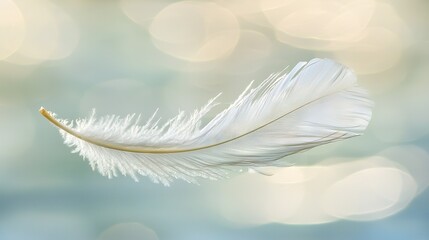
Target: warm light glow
[142, 12]
[247, 11]
[365, 189]
[370, 194]
[137, 56]
[51, 34]
[195, 31]
[12, 28]
[413, 159]
[320, 25]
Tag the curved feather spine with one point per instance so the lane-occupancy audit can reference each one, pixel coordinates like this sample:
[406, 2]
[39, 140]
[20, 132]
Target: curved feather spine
[138, 149]
[282, 116]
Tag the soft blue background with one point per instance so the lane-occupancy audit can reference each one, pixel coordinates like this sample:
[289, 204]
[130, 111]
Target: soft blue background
[48, 193]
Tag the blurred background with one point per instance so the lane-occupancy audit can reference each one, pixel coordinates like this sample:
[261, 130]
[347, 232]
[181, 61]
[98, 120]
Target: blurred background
[126, 56]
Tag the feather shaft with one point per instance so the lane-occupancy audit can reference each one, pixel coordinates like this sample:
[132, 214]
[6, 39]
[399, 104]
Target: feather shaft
[316, 103]
[136, 149]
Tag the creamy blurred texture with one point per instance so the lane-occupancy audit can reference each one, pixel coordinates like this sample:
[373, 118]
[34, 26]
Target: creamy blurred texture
[142, 12]
[131, 56]
[195, 31]
[319, 25]
[50, 33]
[12, 28]
[354, 189]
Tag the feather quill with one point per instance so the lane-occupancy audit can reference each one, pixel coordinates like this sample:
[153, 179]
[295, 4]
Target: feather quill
[316, 103]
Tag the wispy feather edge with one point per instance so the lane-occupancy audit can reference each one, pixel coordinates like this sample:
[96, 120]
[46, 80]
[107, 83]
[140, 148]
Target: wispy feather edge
[317, 102]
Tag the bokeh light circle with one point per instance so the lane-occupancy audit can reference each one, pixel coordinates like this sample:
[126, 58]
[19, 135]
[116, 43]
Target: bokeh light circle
[356, 189]
[12, 28]
[370, 194]
[142, 12]
[51, 34]
[195, 31]
[319, 25]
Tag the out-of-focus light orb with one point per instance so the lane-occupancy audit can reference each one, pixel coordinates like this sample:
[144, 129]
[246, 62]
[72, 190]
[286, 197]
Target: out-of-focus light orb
[364, 189]
[17, 131]
[298, 174]
[195, 31]
[250, 199]
[241, 7]
[413, 159]
[319, 25]
[12, 28]
[50, 34]
[249, 11]
[379, 50]
[387, 16]
[289, 199]
[128, 231]
[142, 12]
[370, 194]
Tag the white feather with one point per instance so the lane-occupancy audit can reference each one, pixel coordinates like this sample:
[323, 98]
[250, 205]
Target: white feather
[316, 103]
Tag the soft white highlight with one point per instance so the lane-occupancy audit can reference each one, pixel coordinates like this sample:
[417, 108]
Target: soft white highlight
[317, 102]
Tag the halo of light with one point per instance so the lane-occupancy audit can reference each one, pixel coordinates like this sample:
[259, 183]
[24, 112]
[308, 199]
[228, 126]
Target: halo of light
[12, 28]
[51, 33]
[386, 16]
[249, 11]
[326, 25]
[296, 174]
[251, 200]
[362, 189]
[195, 31]
[142, 12]
[240, 7]
[412, 158]
[259, 199]
[370, 194]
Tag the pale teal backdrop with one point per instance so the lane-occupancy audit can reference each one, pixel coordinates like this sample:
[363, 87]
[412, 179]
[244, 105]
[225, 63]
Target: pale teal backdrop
[131, 56]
